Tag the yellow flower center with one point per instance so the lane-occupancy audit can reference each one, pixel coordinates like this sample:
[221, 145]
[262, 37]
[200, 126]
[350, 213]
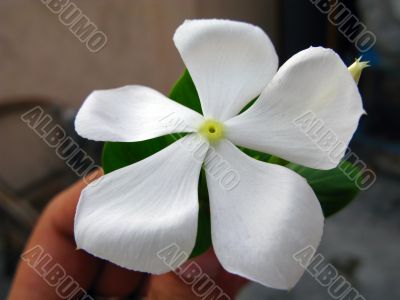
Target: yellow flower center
[212, 130]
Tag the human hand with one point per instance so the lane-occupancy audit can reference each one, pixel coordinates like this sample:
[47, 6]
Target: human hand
[53, 239]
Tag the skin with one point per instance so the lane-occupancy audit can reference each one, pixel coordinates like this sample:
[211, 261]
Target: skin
[54, 233]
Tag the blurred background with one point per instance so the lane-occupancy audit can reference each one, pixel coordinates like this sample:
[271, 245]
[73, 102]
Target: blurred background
[43, 63]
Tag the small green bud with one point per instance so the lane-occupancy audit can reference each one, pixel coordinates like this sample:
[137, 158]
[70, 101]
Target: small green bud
[357, 67]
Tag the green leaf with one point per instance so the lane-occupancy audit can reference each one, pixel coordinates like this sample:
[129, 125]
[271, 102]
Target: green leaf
[185, 93]
[277, 160]
[117, 155]
[203, 239]
[256, 154]
[334, 188]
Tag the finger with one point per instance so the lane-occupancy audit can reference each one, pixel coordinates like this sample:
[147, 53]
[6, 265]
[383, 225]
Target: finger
[51, 243]
[111, 279]
[200, 278]
[229, 283]
[51, 252]
[117, 281]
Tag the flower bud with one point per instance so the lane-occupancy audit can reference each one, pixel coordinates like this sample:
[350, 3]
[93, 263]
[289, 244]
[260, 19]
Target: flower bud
[357, 67]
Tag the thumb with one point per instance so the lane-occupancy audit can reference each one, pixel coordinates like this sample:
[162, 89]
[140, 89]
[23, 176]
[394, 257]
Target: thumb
[198, 278]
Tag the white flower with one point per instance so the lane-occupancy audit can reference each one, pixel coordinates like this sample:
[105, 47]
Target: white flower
[134, 212]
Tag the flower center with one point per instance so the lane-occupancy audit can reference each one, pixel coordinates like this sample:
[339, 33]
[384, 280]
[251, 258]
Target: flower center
[212, 130]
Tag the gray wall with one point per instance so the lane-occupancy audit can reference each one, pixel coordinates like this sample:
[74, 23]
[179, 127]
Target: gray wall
[40, 56]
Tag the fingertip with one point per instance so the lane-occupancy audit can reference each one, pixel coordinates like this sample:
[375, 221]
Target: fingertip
[117, 282]
[60, 212]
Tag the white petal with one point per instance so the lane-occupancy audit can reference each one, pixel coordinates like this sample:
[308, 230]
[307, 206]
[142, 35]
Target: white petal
[230, 63]
[313, 83]
[133, 113]
[129, 215]
[258, 225]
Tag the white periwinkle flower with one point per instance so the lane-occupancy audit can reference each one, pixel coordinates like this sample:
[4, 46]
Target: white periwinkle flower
[132, 213]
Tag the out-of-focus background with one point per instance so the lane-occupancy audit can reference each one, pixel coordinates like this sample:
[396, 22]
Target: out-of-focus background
[42, 62]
